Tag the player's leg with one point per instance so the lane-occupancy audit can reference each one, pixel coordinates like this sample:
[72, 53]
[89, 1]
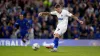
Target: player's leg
[27, 39]
[24, 36]
[56, 42]
[57, 34]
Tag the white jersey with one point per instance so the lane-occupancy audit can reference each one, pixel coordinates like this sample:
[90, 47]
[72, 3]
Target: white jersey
[62, 17]
[62, 21]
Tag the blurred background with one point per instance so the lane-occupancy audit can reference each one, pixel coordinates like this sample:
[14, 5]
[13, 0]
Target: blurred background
[43, 27]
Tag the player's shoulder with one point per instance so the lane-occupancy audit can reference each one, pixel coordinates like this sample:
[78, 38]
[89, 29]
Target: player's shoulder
[54, 11]
[64, 10]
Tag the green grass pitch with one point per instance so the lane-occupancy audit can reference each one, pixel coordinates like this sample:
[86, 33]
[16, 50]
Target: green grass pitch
[63, 51]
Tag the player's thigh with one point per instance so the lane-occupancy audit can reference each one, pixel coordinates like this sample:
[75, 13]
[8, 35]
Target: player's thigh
[63, 30]
[60, 30]
[23, 33]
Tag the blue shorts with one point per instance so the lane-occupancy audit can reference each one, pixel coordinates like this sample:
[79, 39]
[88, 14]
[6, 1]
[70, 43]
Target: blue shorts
[23, 33]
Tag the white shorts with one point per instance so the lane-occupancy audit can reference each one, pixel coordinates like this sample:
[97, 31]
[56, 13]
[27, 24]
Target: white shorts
[61, 29]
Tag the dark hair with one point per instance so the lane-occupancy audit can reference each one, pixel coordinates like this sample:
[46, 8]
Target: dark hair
[57, 6]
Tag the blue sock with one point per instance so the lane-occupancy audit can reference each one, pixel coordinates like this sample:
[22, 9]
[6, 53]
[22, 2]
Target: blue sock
[56, 42]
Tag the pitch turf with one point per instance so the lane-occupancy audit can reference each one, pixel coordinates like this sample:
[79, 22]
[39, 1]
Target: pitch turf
[63, 51]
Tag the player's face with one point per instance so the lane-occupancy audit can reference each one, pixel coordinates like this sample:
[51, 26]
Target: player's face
[58, 10]
[21, 17]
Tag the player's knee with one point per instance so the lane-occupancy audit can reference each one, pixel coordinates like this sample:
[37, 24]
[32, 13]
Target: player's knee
[56, 35]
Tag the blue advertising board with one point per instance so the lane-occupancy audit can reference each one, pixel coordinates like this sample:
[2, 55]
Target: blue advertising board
[68, 42]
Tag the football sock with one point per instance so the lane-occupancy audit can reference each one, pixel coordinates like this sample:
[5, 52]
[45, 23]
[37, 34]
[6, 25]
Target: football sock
[24, 40]
[56, 42]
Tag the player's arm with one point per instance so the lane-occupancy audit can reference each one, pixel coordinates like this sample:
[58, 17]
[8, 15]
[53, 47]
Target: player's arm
[76, 18]
[47, 13]
[44, 13]
[16, 25]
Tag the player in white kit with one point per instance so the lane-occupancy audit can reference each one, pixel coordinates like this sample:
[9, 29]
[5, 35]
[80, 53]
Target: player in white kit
[61, 28]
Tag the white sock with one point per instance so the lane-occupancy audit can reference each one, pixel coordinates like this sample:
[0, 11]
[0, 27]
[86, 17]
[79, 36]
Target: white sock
[27, 43]
[45, 44]
[52, 44]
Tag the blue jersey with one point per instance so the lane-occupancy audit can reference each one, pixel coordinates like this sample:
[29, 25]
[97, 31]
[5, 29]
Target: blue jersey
[23, 24]
[30, 21]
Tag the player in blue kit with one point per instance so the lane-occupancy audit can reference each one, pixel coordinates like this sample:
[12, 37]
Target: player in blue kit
[24, 27]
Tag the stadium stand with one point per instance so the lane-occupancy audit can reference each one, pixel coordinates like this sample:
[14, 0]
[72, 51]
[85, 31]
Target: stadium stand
[43, 27]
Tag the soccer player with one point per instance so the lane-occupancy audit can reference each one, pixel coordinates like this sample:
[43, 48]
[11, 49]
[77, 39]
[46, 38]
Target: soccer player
[62, 23]
[24, 27]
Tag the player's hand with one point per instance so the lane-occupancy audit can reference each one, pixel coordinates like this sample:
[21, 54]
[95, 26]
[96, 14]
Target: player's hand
[81, 22]
[40, 14]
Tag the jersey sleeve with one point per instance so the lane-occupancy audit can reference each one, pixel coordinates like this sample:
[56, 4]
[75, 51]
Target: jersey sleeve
[53, 13]
[16, 23]
[68, 13]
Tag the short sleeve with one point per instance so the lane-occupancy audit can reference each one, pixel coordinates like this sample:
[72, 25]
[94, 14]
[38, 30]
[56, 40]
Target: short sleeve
[17, 22]
[68, 13]
[53, 13]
